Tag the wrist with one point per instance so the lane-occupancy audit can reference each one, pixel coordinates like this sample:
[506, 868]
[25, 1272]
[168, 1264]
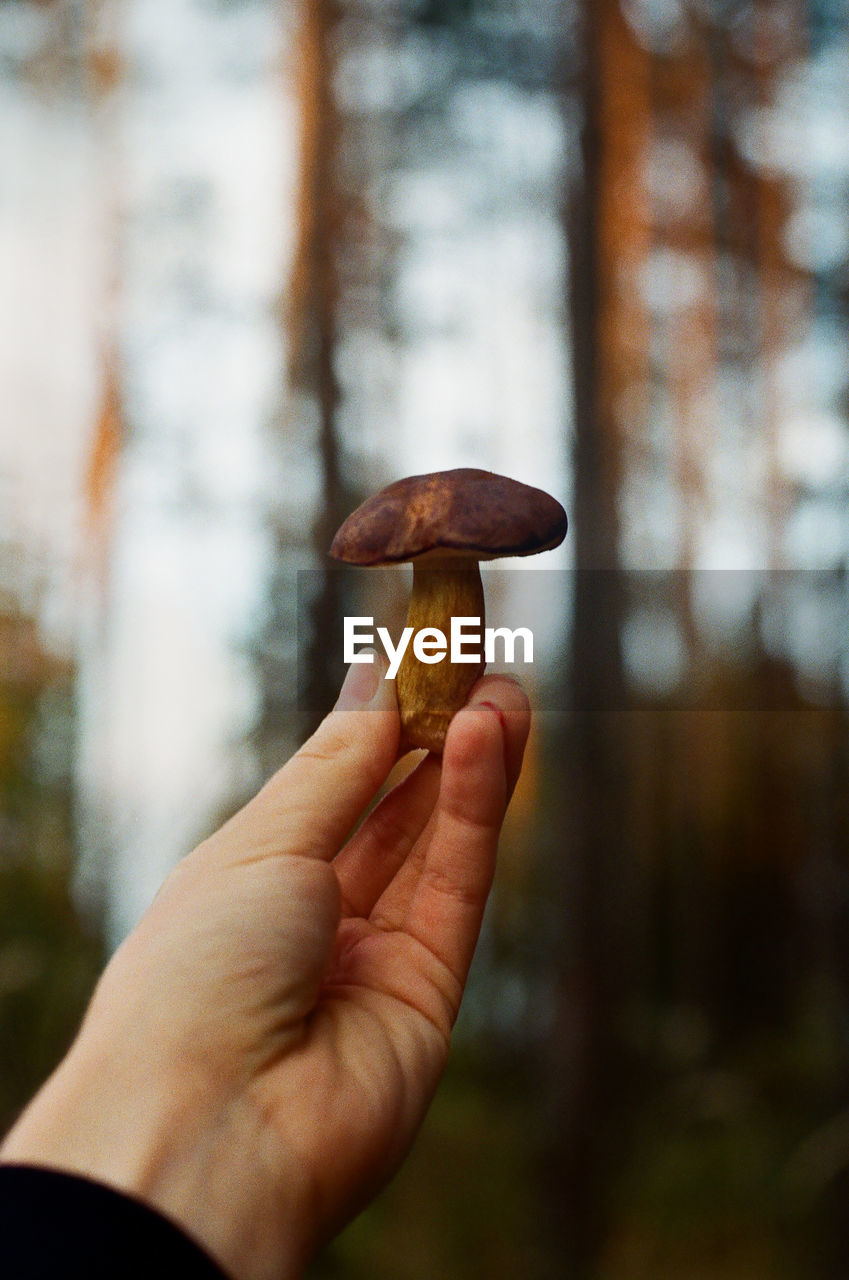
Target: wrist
[159, 1136]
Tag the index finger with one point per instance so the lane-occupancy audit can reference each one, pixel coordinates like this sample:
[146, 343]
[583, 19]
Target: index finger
[310, 805]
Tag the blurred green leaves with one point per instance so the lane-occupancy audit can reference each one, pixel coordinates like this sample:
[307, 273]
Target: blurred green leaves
[49, 954]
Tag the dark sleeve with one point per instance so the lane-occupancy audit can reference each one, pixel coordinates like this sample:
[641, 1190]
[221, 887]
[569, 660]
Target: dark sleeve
[55, 1225]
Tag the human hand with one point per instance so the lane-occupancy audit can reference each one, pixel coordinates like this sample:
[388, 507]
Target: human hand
[261, 1050]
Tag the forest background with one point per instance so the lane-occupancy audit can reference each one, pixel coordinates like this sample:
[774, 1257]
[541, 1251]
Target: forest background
[258, 259]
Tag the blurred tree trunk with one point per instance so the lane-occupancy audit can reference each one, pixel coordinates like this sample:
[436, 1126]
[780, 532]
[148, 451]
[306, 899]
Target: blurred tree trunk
[606, 228]
[104, 72]
[781, 292]
[682, 103]
[314, 300]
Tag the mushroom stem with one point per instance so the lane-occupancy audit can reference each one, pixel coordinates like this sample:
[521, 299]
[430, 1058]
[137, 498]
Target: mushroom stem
[429, 694]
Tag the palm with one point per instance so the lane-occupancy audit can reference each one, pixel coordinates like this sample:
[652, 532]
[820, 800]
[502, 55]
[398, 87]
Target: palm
[367, 1053]
[364, 1074]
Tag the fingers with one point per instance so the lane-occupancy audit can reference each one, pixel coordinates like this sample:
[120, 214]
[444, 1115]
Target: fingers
[512, 702]
[439, 894]
[372, 858]
[311, 804]
[387, 854]
[447, 904]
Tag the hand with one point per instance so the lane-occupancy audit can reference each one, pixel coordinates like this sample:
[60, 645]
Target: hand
[261, 1050]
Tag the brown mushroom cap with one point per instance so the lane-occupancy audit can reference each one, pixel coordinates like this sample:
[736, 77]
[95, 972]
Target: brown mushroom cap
[461, 512]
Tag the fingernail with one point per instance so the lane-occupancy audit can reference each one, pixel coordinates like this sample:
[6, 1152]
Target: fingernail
[493, 707]
[360, 685]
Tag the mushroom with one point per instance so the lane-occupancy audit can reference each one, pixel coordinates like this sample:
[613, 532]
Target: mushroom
[445, 523]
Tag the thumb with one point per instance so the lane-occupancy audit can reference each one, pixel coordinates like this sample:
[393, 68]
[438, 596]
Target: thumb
[310, 805]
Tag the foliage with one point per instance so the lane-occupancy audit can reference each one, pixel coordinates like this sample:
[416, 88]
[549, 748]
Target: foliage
[49, 954]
